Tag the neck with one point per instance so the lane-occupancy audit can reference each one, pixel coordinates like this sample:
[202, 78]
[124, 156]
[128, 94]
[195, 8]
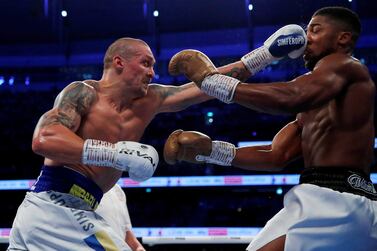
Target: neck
[115, 92]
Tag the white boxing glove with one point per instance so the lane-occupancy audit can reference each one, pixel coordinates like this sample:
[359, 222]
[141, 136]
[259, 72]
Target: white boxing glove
[289, 40]
[139, 160]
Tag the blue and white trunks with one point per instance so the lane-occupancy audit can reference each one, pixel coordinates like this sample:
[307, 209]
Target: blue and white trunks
[58, 215]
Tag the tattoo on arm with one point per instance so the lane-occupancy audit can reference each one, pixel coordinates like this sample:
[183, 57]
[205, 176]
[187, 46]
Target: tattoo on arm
[167, 92]
[70, 105]
[238, 73]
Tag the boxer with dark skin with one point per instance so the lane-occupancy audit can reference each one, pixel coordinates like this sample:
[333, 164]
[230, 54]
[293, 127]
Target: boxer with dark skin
[333, 131]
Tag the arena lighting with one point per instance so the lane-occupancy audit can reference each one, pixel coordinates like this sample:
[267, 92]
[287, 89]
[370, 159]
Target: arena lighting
[251, 7]
[27, 80]
[155, 13]
[209, 118]
[11, 80]
[2, 80]
[279, 191]
[64, 13]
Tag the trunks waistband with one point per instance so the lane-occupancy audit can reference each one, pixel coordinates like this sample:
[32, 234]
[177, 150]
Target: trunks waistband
[345, 180]
[64, 180]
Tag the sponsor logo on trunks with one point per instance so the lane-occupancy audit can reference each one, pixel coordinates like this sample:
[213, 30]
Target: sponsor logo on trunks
[84, 195]
[82, 219]
[359, 183]
[79, 215]
[291, 40]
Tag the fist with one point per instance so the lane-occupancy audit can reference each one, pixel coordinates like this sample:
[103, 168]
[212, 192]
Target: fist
[194, 64]
[186, 145]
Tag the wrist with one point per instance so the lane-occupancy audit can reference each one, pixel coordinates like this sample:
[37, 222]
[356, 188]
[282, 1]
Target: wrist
[222, 154]
[220, 86]
[258, 59]
[98, 153]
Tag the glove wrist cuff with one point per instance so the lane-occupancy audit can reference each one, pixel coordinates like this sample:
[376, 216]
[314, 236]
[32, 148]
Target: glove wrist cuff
[98, 153]
[258, 59]
[222, 154]
[220, 86]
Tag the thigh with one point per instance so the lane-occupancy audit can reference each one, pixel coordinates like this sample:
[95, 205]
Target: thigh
[275, 245]
[48, 225]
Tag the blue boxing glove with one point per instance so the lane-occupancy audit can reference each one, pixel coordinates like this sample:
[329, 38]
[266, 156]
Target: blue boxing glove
[289, 40]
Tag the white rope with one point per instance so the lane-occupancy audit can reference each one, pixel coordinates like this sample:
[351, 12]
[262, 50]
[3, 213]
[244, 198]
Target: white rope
[151, 240]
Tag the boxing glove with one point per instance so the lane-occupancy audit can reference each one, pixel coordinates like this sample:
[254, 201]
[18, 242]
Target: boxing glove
[139, 160]
[196, 147]
[196, 66]
[289, 40]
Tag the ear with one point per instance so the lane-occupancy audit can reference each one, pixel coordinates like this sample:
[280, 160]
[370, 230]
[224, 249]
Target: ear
[345, 38]
[118, 61]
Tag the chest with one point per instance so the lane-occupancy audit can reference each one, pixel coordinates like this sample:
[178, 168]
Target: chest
[106, 123]
[319, 120]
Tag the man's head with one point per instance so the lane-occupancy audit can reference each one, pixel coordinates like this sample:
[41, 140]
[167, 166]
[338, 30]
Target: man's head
[331, 29]
[130, 60]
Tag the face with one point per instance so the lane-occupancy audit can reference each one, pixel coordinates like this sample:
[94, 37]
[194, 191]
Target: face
[322, 40]
[138, 70]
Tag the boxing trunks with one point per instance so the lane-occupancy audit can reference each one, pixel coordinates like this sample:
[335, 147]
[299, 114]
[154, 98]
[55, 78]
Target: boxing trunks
[113, 208]
[328, 210]
[58, 214]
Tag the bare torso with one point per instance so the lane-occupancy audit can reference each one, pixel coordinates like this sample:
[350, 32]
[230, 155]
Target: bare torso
[104, 122]
[340, 133]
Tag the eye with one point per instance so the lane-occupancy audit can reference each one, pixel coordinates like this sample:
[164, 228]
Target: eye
[146, 63]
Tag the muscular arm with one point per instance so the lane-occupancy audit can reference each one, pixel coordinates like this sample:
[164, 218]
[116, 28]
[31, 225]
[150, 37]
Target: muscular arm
[54, 136]
[177, 98]
[308, 91]
[285, 147]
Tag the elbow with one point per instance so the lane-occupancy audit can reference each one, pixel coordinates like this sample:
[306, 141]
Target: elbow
[279, 161]
[39, 143]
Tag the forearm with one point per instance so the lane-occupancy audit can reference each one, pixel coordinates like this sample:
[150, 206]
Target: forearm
[236, 70]
[58, 143]
[257, 158]
[276, 98]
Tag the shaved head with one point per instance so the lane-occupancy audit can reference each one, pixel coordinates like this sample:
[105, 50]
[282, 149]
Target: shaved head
[123, 47]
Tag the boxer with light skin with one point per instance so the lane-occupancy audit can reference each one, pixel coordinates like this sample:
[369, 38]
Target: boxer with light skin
[89, 138]
[335, 205]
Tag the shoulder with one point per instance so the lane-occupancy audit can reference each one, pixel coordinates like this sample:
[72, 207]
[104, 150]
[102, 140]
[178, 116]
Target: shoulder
[78, 93]
[344, 66]
[157, 89]
[80, 87]
[157, 93]
[340, 61]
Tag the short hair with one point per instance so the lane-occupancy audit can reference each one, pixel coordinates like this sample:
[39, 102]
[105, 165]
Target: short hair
[346, 18]
[123, 47]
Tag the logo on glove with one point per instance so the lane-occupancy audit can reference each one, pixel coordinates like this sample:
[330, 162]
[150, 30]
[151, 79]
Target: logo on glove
[291, 40]
[138, 154]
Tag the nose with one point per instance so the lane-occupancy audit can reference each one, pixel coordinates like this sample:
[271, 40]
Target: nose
[151, 73]
[308, 37]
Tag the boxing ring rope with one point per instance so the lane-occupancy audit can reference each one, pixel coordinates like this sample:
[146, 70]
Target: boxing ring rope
[181, 235]
[150, 240]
